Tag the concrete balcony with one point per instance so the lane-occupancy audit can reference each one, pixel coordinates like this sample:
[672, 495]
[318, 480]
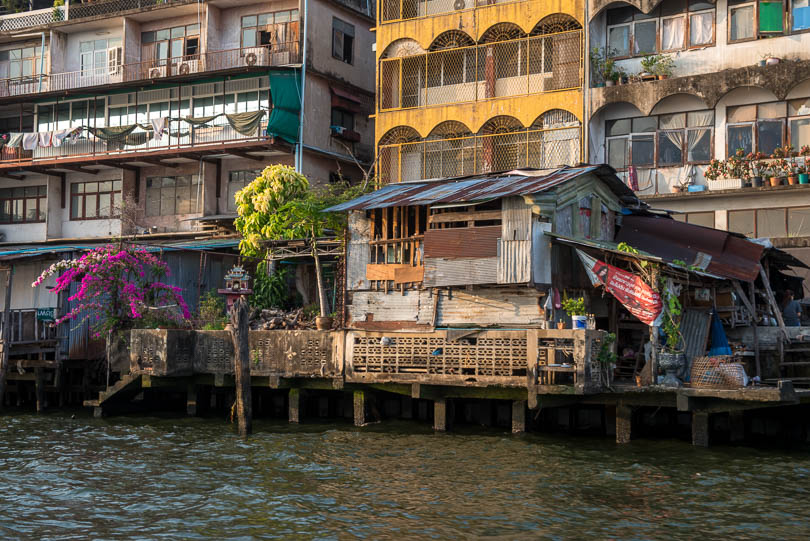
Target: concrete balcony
[177, 69]
[780, 79]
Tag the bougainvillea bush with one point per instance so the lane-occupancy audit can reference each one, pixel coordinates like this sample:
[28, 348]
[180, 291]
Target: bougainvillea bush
[116, 288]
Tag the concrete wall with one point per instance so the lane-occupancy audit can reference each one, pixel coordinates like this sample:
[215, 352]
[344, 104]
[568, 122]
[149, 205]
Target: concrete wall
[360, 72]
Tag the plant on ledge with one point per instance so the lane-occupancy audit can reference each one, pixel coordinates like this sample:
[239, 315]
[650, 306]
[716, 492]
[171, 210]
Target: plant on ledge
[574, 307]
[671, 358]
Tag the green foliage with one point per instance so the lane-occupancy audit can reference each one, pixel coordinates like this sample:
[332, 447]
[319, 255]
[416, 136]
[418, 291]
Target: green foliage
[624, 247]
[14, 6]
[212, 312]
[671, 323]
[606, 356]
[311, 311]
[574, 307]
[271, 291]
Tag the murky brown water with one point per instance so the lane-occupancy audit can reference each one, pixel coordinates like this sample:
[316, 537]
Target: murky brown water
[63, 478]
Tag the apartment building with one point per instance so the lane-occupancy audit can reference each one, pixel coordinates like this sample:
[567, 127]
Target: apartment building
[726, 92]
[174, 104]
[477, 86]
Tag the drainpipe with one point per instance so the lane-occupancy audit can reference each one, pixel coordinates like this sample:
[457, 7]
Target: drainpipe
[299, 158]
[41, 61]
[586, 91]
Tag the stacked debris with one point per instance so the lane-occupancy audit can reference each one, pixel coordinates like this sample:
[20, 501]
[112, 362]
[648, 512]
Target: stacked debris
[272, 319]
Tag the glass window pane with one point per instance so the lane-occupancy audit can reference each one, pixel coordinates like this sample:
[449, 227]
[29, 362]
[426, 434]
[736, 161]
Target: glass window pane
[104, 205]
[670, 145]
[85, 46]
[619, 41]
[798, 222]
[800, 132]
[91, 206]
[701, 28]
[617, 153]
[248, 37]
[742, 22]
[699, 118]
[265, 18]
[282, 17]
[162, 35]
[705, 219]
[741, 221]
[249, 21]
[618, 127]
[75, 208]
[645, 124]
[740, 137]
[31, 214]
[153, 201]
[672, 33]
[772, 110]
[771, 223]
[642, 150]
[644, 37]
[192, 29]
[699, 145]
[769, 135]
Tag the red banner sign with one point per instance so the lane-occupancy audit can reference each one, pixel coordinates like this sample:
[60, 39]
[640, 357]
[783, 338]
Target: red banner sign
[639, 298]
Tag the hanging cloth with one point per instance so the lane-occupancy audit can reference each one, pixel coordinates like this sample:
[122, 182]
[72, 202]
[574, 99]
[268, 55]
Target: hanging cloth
[200, 121]
[15, 140]
[137, 138]
[59, 137]
[30, 141]
[158, 127]
[117, 133]
[246, 124]
[719, 344]
[45, 139]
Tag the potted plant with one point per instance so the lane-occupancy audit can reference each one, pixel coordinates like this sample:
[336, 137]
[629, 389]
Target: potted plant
[575, 308]
[758, 166]
[804, 178]
[609, 73]
[648, 65]
[664, 66]
[671, 357]
[597, 55]
[561, 325]
[763, 59]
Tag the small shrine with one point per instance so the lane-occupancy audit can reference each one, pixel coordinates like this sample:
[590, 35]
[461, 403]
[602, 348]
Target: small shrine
[237, 284]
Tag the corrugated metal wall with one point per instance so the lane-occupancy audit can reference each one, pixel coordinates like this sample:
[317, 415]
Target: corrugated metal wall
[514, 264]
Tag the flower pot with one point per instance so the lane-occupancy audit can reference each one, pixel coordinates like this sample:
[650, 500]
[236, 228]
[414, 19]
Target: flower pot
[793, 179]
[609, 82]
[772, 61]
[598, 85]
[662, 77]
[323, 323]
[671, 363]
[762, 63]
[725, 184]
[579, 322]
[804, 178]
[675, 189]
[561, 325]
[776, 181]
[756, 182]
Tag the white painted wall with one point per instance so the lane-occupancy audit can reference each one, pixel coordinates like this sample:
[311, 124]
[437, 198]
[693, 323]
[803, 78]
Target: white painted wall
[72, 61]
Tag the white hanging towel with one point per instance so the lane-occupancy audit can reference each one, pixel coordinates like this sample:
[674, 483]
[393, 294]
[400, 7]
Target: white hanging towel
[59, 136]
[30, 141]
[45, 138]
[159, 126]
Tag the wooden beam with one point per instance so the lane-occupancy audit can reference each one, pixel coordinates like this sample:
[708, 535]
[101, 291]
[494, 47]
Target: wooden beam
[80, 169]
[744, 298]
[157, 161]
[772, 300]
[124, 166]
[464, 216]
[247, 156]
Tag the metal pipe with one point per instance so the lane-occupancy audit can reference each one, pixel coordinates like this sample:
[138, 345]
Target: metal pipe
[299, 159]
[41, 61]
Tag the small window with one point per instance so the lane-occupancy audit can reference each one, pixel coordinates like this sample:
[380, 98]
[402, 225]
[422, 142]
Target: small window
[771, 223]
[741, 26]
[343, 118]
[801, 15]
[740, 136]
[798, 222]
[741, 221]
[342, 40]
[642, 150]
[167, 196]
[705, 219]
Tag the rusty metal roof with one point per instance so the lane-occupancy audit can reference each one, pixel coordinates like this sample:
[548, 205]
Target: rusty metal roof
[480, 188]
[731, 256]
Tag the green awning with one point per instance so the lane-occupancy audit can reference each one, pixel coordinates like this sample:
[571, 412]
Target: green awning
[284, 118]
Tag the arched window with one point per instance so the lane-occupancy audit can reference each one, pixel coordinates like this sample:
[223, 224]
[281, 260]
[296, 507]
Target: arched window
[555, 51]
[554, 140]
[503, 144]
[449, 151]
[400, 155]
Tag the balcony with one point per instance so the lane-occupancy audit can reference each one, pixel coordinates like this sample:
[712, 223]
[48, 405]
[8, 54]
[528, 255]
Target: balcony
[170, 69]
[476, 154]
[529, 65]
[399, 10]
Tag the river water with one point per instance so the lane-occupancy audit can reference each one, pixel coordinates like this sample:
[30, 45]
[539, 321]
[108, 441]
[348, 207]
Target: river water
[180, 478]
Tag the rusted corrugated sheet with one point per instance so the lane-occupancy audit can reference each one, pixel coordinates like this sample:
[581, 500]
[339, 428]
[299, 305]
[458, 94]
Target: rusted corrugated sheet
[695, 331]
[731, 256]
[441, 272]
[462, 242]
[483, 188]
[496, 306]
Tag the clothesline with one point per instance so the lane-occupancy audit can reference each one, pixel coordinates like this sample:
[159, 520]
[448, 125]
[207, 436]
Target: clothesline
[244, 123]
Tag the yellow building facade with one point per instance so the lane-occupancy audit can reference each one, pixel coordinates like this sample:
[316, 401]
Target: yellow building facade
[478, 86]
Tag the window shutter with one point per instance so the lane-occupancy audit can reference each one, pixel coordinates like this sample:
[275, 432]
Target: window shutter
[771, 17]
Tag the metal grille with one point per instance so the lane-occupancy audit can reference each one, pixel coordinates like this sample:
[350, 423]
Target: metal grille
[396, 10]
[479, 154]
[527, 65]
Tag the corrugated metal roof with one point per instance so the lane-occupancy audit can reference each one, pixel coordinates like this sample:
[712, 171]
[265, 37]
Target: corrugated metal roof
[731, 256]
[480, 188]
[20, 252]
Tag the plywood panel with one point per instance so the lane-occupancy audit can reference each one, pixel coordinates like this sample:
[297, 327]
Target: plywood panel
[409, 274]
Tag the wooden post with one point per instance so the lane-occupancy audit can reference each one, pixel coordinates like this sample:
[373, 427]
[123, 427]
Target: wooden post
[39, 382]
[6, 338]
[700, 428]
[295, 405]
[192, 399]
[440, 414]
[359, 408]
[518, 416]
[653, 336]
[241, 366]
[624, 423]
[754, 328]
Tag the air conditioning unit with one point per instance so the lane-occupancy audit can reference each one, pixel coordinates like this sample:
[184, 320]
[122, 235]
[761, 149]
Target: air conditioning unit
[188, 67]
[342, 133]
[255, 56]
[156, 72]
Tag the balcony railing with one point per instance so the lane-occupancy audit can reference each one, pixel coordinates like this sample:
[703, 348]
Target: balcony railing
[398, 10]
[546, 63]
[154, 70]
[25, 328]
[181, 136]
[479, 154]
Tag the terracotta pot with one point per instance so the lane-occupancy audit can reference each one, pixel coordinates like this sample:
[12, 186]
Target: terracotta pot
[560, 325]
[662, 77]
[776, 181]
[793, 179]
[675, 189]
[323, 323]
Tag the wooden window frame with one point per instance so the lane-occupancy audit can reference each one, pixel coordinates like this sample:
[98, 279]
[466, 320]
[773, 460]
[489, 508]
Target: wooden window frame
[83, 199]
[41, 206]
[754, 123]
[257, 27]
[191, 191]
[659, 20]
[789, 129]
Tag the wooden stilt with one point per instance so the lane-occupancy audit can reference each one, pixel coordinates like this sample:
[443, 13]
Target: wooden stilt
[295, 405]
[241, 366]
[39, 383]
[440, 414]
[192, 398]
[518, 416]
[359, 408]
[6, 336]
[624, 423]
[700, 429]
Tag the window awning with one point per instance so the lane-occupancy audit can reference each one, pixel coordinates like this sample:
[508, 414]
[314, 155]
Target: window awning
[342, 99]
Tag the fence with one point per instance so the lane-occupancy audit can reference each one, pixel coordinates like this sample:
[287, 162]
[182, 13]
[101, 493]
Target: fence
[278, 55]
[397, 10]
[546, 63]
[25, 328]
[477, 154]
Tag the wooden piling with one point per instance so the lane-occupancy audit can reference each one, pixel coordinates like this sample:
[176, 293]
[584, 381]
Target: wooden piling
[518, 416]
[241, 366]
[700, 429]
[440, 414]
[6, 337]
[192, 398]
[39, 384]
[359, 408]
[624, 423]
[294, 409]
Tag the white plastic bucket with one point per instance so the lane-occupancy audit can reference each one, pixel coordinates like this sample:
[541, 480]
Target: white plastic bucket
[579, 322]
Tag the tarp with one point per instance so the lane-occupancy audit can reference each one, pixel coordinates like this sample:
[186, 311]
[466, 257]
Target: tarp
[641, 300]
[245, 123]
[285, 88]
[116, 133]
